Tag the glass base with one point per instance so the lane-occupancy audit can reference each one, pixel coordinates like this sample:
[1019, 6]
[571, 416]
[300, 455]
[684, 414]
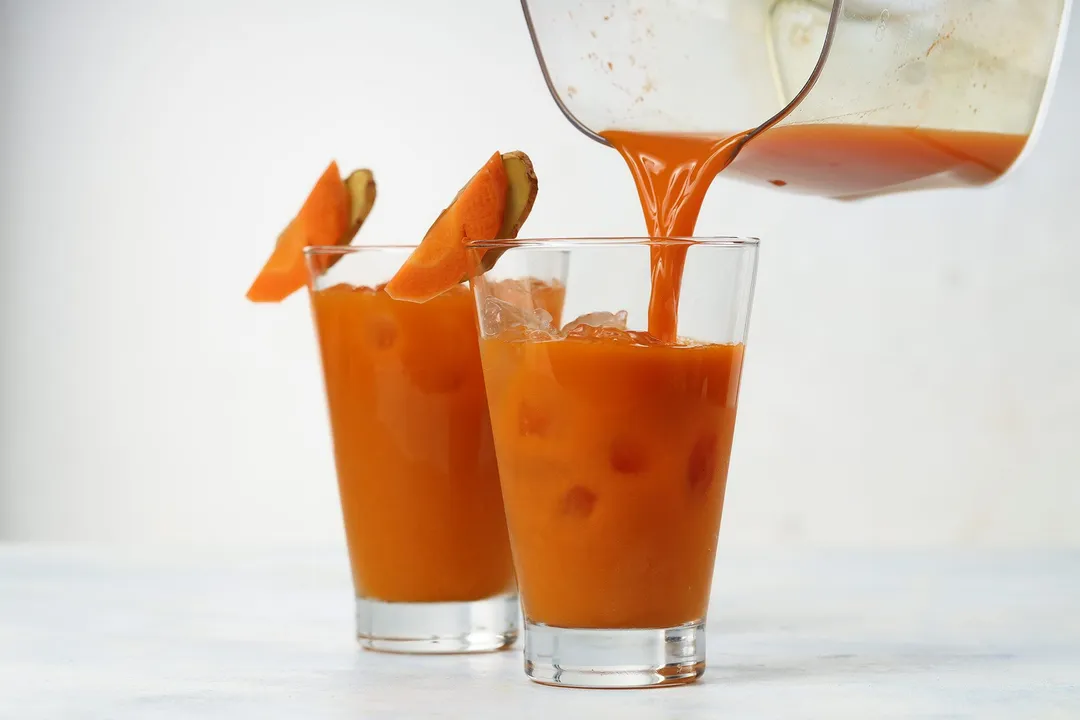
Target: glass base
[614, 658]
[434, 628]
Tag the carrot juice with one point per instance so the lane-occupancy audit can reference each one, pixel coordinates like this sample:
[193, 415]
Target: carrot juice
[415, 461]
[852, 161]
[613, 453]
[412, 444]
[613, 448]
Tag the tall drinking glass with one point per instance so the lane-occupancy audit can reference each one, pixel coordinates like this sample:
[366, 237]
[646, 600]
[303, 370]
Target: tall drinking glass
[613, 449]
[415, 461]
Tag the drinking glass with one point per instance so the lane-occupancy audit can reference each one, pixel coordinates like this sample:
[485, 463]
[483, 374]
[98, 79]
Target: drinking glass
[613, 447]
[415, 462]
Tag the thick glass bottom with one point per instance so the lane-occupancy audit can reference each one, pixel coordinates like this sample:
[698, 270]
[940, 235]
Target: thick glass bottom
[614, 658]
[434, 628]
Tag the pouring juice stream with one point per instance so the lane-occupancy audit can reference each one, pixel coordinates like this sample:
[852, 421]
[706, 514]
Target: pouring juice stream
[672, 173]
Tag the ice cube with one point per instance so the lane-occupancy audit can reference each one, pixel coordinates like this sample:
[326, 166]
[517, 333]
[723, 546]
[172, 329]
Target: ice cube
[382, 331]
[627, 455]
[501, 316]
[600, 319]
[578, 502]
[612, 333]
[533, 419]
[513, 290]
[703, 465]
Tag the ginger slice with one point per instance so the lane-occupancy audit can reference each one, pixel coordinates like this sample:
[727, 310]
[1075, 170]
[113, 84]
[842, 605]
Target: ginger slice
[361, 188]
[520, 196]
[520, 193]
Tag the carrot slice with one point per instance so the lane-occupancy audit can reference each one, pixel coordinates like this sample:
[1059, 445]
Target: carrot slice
[323, 220]
[441, 260]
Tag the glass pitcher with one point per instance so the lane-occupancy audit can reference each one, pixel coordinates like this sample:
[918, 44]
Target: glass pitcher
[844, 99]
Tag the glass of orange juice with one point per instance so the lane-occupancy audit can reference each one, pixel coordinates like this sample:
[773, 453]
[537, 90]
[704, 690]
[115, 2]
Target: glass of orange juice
[613, 445]
[415, 459]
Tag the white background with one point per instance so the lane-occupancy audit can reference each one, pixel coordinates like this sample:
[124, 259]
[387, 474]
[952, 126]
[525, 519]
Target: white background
[914, 367]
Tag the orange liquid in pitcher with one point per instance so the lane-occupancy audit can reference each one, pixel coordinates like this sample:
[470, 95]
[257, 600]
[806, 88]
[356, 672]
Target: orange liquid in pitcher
[673, 172]
[850, 161]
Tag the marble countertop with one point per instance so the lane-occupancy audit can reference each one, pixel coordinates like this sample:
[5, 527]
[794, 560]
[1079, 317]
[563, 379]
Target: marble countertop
[107, 633]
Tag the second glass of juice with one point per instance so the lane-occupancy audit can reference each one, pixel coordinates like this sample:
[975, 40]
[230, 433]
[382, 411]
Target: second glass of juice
[415, 459]
[613, 447]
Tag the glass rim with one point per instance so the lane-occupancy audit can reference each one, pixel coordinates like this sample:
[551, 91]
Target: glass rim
[566, 243]
[349, 249]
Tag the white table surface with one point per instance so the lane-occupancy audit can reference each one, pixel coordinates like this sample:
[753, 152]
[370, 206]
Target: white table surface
[97, 633]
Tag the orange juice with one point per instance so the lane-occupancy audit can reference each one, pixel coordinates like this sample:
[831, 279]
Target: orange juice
[614, 453]
[413, 447]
